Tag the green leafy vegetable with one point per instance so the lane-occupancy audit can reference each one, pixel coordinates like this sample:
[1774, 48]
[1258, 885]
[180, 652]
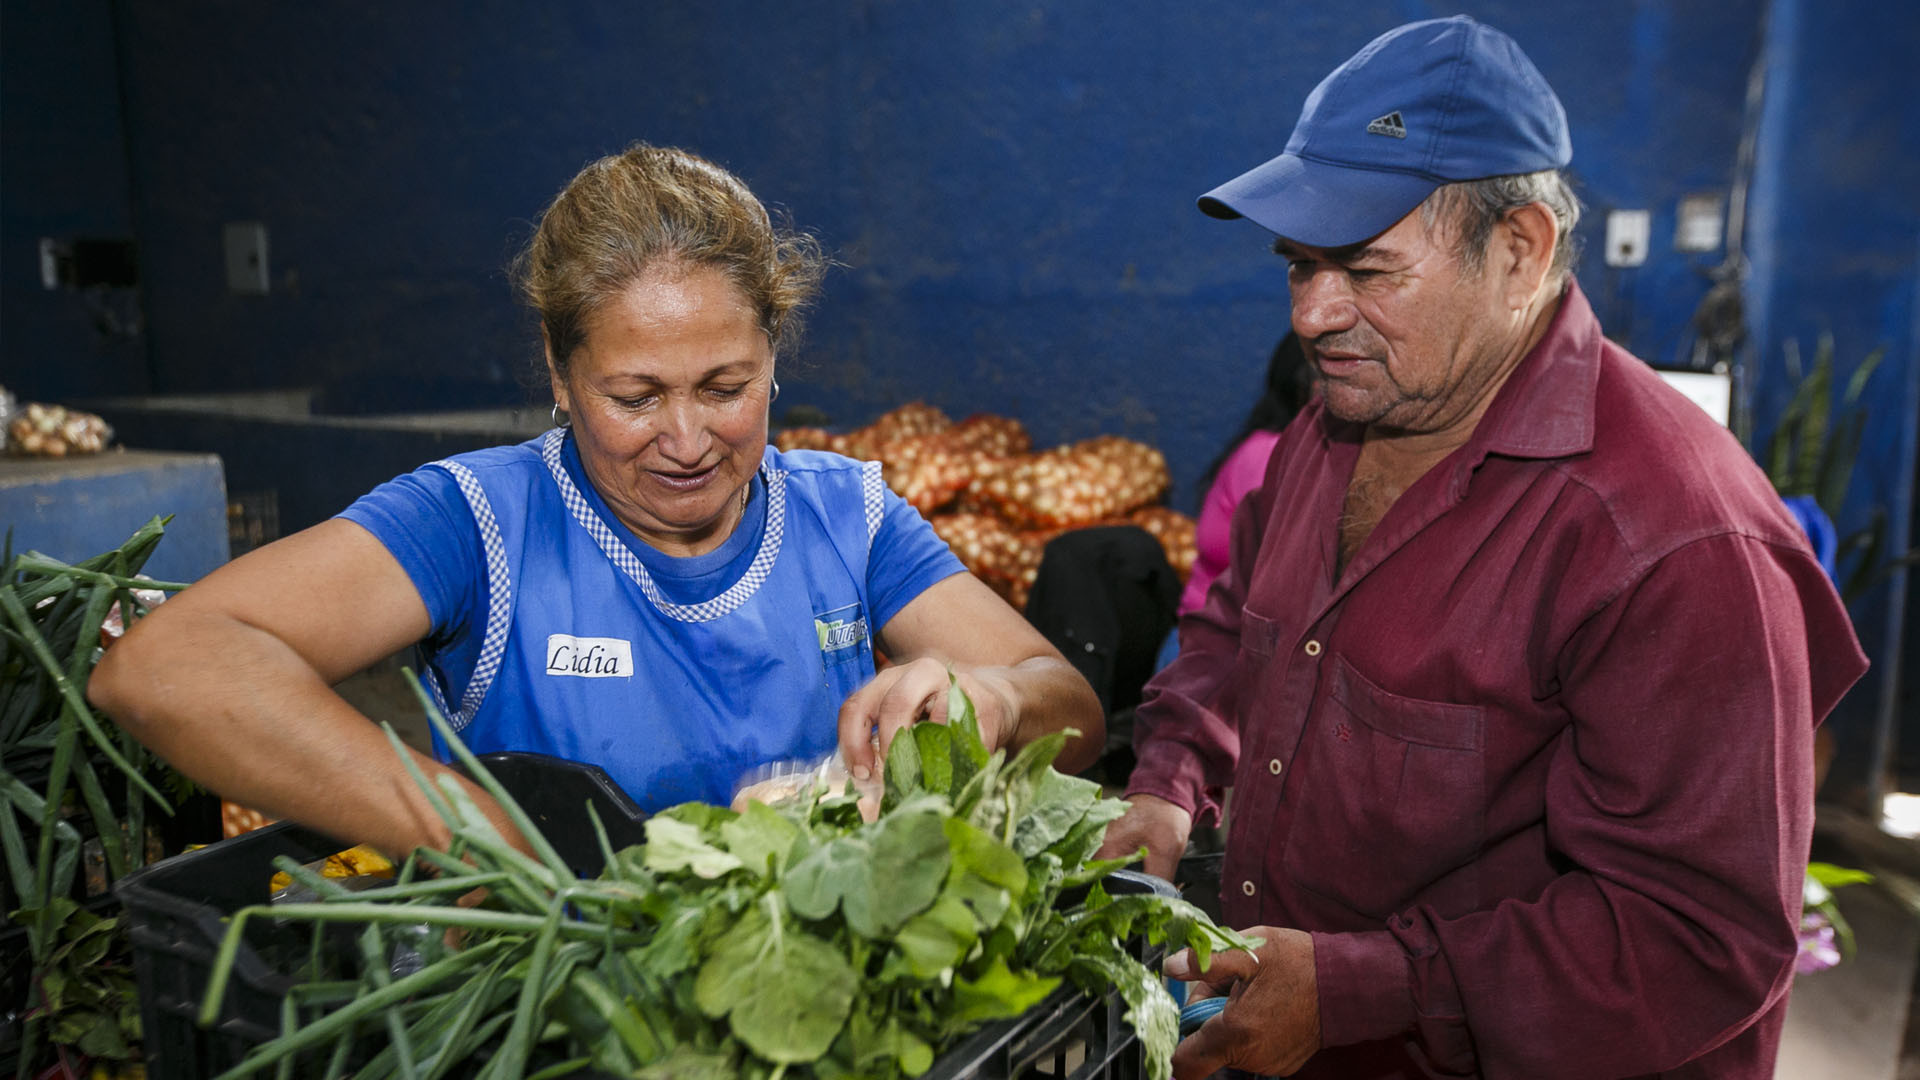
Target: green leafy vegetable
[784, 993]
[779, 941]
[675, 845]
[66, 772]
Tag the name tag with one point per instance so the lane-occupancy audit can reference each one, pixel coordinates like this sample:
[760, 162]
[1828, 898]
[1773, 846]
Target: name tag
[589, 657]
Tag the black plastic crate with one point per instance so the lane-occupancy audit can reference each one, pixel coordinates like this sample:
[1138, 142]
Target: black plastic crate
[1070, 1035]
[177, 911]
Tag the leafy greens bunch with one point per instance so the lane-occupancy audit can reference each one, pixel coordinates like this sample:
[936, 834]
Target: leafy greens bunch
[71, 783]
[795, 939]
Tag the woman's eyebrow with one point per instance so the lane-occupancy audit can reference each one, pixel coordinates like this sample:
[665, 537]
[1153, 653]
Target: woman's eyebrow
[731, 367]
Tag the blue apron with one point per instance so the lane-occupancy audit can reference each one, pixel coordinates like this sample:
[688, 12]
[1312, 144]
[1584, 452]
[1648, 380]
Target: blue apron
[586, 658]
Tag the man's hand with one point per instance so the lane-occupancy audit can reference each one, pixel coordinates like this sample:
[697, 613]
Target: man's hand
[1155, 824]
[905, 694]
[1271, 1024]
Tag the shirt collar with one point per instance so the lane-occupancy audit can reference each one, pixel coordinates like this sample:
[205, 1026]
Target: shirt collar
[1545, 408]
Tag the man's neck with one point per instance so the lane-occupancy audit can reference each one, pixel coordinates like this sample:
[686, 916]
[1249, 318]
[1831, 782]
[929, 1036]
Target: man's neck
[1393, 460]
[1431, 445]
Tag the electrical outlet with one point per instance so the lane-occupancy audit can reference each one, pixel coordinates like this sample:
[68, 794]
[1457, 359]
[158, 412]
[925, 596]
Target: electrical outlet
[246, 244]
[1628, 233]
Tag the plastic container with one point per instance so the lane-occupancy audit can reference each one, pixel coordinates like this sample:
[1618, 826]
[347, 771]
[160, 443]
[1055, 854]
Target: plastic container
[1070, 1035]
[177, 909]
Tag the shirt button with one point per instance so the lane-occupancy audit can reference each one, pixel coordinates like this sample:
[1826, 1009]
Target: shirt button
[1247, 887]
[1275, 766]
[1313, 648]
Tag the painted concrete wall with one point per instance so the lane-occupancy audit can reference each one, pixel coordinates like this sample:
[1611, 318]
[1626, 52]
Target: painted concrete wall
[1836, 250]
[1010, 187]
[63, 173]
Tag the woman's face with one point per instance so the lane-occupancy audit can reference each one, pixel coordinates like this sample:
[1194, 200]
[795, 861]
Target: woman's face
[668, 395]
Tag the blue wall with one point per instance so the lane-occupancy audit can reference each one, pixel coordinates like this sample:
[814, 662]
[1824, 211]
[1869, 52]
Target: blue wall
[1836, 250]
[63, 173]
[1009, 187]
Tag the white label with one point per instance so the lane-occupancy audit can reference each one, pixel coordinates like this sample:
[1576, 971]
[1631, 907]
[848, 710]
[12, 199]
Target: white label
[1697, 223]
[589, 657]
[1710, 391]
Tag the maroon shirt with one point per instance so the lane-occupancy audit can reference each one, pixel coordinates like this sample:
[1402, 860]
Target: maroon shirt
[1536, 769]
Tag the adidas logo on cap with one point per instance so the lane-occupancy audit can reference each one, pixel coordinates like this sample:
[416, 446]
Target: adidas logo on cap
[1390, 124]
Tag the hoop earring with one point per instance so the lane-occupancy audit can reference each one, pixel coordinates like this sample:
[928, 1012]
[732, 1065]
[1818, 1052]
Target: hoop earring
[557, 422]
[775, 396]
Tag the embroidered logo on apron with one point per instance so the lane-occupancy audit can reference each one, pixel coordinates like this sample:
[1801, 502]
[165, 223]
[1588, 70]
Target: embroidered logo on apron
[841, 633]
[589, 657]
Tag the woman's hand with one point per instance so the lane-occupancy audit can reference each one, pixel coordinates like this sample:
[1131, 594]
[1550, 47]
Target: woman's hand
[906, 694]
[1022, 689]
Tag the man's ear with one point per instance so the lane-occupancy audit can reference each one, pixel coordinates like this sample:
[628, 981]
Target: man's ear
[1529, 235]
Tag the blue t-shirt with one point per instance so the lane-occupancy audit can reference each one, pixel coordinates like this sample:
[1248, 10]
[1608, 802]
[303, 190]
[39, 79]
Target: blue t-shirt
[556, 630]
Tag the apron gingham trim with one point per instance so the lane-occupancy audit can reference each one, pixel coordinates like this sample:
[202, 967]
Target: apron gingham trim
[872, 491]
[705, 611]
[493, 644]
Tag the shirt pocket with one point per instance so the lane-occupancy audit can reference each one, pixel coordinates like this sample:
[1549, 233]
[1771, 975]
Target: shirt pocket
[1392, 808]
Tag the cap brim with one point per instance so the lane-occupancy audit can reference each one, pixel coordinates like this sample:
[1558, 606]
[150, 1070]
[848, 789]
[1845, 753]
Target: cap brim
[1320, 205]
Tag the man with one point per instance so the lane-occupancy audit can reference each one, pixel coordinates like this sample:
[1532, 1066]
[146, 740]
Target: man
[1516, 664]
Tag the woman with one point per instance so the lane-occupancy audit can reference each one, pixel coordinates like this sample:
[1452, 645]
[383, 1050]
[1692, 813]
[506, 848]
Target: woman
[649, 587]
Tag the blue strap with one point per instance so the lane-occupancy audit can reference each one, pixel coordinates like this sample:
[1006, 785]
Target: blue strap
[1195, 1013]
[1819, 529]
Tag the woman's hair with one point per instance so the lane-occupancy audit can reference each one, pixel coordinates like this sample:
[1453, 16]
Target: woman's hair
[653, 207]
[1289, 385]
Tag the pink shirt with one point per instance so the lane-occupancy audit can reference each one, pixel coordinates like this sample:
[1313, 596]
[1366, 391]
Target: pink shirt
[1535, 769]
[1238, 476]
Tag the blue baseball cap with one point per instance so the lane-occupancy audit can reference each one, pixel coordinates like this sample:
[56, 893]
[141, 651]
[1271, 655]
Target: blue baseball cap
[1424, 104]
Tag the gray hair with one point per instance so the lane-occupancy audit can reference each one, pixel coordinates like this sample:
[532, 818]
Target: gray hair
[1471, 208]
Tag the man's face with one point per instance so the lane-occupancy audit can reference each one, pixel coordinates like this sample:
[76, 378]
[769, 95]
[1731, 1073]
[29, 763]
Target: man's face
[1403, 336]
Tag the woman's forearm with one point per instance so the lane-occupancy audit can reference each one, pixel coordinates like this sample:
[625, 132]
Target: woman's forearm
[1045, 695]
[239, 711]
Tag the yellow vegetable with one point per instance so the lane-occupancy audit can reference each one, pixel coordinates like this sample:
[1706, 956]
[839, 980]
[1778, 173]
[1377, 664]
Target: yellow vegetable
[353, 862]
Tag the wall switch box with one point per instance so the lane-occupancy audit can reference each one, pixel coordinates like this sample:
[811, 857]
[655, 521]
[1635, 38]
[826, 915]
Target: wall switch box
[1628, 232]
[246, 243]
[1697, 223]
